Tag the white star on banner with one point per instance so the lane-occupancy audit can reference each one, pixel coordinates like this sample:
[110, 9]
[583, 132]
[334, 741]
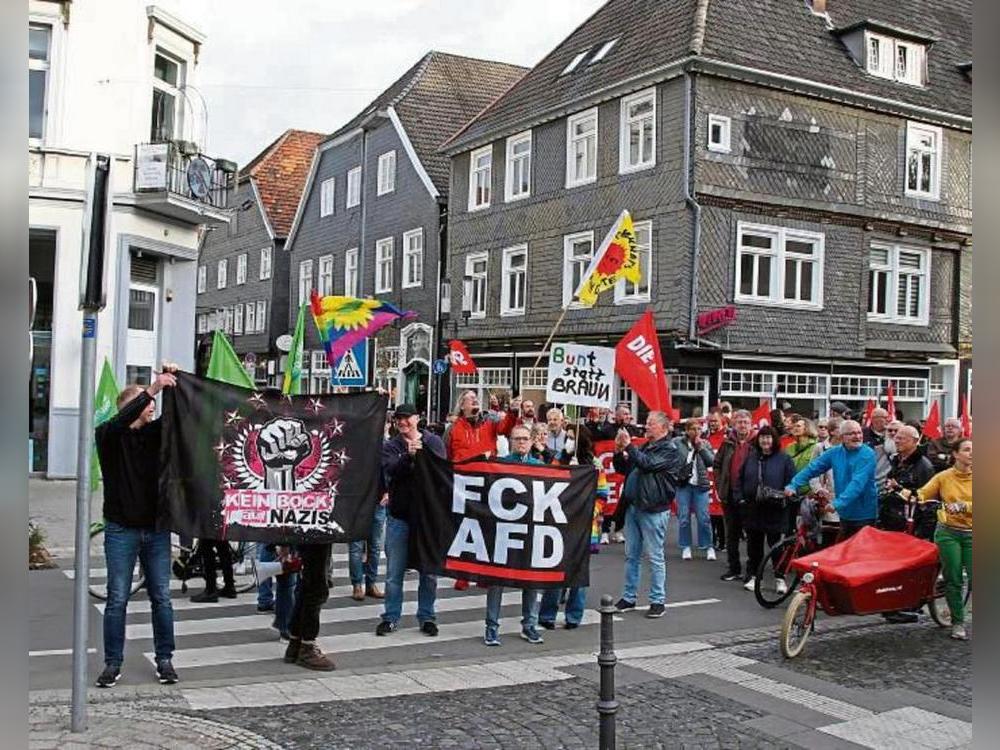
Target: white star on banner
[233, 417]
[257, 399]
[332, 492]
[341, 457]
[221, 448]
[315, 404]
[336, 427]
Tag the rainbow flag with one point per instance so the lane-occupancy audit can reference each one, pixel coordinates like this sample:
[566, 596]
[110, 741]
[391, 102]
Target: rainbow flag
[616, 258]
[343, 322]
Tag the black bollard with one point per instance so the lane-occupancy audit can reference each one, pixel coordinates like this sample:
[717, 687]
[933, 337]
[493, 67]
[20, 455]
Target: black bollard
[607, 706]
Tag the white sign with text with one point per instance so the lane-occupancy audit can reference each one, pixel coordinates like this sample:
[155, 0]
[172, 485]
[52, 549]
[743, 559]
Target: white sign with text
[582, 375]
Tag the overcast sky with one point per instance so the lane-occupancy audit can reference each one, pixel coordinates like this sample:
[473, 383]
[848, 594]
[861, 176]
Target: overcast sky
[269, 65]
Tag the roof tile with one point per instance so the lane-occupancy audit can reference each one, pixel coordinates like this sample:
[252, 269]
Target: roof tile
[280, 171]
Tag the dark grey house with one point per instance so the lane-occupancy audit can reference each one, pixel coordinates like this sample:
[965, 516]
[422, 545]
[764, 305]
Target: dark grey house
[799, 174]
[372, 218]
[242, 285]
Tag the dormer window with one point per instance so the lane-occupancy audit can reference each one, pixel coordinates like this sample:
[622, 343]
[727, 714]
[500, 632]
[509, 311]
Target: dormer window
[895, 59]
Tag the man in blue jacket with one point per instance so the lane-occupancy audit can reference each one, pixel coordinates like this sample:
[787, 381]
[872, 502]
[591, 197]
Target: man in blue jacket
[853, 465]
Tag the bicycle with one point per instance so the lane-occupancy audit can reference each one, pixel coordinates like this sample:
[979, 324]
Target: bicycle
[189, 563]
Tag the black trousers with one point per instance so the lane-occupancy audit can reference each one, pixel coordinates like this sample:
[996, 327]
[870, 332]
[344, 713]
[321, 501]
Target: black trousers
[312, 593]
[618, 517]
[755, 547]
[719, 531]
[734, 531]
[209, 549]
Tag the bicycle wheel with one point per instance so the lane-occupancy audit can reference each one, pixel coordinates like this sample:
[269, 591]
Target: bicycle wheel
[244, 575]
[796, 626]
[775, 582]
[937, 607]
[100, 590]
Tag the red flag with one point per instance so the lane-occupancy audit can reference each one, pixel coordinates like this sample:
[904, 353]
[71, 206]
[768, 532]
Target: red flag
[932, 425]
[461, 360]
[638, 361]
[762, 414]
[890, 402]
[866, 421]
[966, 419]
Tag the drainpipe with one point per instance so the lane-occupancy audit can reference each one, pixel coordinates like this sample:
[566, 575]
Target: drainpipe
[691, 202]
[437, 345]
[364, 211]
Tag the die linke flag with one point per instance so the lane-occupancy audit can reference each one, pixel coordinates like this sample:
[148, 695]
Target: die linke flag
[638, 361]
[240, 464]
[496, 522]
[617, 258]
[461, 360]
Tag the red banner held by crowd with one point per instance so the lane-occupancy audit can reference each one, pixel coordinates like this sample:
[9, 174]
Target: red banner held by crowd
[762, 414]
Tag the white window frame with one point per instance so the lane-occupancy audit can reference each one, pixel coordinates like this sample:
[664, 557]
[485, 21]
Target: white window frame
[603, 51]
[624, 151]
[724, 146]
[569, 287]
[324, 276]
[251, 318]
[626, 293]
[385, 248]
[507, 278]
[778, 254]
[413, 259]
[386, 173]
[261, 315]
[202, 323]
[177, 92]
[238, 319]
[886, 65]
[265, 263]
[44, 65]
[913, 131]
[572, 179]
[480, 280]
[519, 164]
[351, 273]
[241, 269]
[353, 187]
[202, 278]
[575, 62]
[895, 277]
[222, 273]
[305, 280]
[475, 173]
[327, 196]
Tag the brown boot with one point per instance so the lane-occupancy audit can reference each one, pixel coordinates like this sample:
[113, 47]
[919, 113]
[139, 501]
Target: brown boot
[311, 657]
[374, 592]
[359, 593]
[293, 649]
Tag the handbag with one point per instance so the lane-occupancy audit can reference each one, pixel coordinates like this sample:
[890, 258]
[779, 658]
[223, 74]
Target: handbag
[687, 470]
[766, 495]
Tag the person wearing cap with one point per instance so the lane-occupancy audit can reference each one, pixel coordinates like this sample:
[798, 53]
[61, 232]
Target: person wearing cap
[839, 409]
[398, 455]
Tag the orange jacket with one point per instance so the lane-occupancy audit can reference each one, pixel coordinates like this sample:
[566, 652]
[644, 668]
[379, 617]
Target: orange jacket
[467, 439]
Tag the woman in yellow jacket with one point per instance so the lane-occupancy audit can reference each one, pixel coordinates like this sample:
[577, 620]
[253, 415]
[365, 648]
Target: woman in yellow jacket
[953, 487]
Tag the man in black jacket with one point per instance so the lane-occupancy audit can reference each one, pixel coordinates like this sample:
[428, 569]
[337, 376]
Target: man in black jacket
[650, 484]
[128, 447]
[728, 461]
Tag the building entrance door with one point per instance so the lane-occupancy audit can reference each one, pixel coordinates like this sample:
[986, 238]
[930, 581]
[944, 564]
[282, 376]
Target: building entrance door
[41, 269]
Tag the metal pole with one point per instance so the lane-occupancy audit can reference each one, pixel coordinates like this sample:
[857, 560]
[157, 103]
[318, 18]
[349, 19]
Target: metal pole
[88, 360]
[607, 706]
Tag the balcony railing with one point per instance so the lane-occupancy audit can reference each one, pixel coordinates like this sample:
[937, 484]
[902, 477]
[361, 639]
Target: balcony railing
[180, 170]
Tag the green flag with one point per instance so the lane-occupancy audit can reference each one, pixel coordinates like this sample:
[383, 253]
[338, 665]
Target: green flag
[105, 407]
[293, 367]
[224, 365]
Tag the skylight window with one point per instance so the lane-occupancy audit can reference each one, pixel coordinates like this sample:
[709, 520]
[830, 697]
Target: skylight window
[575, 62]
[603, 51]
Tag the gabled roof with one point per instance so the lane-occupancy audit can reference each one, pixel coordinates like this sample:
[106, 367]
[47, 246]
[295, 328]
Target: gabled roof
[780, 37]
[280, 172]
[435, 97]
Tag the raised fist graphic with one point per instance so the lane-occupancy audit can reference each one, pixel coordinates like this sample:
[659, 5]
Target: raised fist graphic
[282, 444]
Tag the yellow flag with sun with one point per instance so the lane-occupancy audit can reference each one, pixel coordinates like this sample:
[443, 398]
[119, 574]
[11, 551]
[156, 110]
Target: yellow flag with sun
[617, 258]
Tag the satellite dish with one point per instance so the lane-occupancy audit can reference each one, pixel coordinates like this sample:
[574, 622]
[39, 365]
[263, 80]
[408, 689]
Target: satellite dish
[199, 177]
[284, 342]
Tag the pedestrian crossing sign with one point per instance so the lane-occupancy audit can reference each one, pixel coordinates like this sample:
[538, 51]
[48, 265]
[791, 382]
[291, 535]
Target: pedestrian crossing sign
[352, 369]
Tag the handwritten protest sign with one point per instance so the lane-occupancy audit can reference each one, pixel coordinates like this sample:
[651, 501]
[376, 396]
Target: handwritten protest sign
[581, 374]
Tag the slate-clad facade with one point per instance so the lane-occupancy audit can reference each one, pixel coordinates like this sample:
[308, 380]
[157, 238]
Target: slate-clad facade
[802, 200]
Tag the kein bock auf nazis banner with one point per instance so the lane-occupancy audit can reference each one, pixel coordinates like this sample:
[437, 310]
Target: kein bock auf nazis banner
[245, 465]
[513, 524]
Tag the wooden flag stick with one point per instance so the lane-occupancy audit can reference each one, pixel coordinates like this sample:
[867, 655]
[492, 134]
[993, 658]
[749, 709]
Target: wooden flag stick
[551, 336]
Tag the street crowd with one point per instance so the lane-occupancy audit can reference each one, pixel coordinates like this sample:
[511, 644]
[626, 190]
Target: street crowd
[743, 483]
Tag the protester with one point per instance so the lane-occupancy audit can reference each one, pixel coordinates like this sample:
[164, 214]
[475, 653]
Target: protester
[726, 466]
[840, 409]
[853, 465]
[726, 410]
[953, 487]
[822, 485]
[596, 420]
[472, 434]
[801, 450]
[822, 430]
[716, 430]
[556, 438]
[278, 594]
[527, 414]
[942, 450]
[875, 432]
[622, 421]
[209, 549]
[399, 478]
[695, 456]
[128, 448]
[885, 451]
[313, 592]
[363, 558]
[765, 514]
[647, 492]
[538, 450]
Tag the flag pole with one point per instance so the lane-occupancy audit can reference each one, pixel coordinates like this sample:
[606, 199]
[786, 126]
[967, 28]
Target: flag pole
[551, 336]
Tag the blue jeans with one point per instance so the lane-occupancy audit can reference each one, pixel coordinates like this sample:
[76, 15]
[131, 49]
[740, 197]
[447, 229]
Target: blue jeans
[367, 572]
[122, 546]
[644, 535]
[279, 590]
[397, 535]
[690, 498]
[576, 600]
[529, 607]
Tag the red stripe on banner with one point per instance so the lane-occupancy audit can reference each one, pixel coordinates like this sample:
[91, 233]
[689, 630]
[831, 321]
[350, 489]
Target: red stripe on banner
[532, 470]
[499, 571]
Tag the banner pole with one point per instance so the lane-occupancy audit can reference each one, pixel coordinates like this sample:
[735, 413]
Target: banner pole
[549, 340]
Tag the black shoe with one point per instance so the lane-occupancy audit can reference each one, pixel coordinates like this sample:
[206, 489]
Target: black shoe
[292, 651]
[731, 576]
[429, 628]
[547, 625]
[265, 607]
[385, 627]
[900, 618]
[656, 610]
[571, 625]
[228, 591]
[109, 677]
[206, 597]
[165, 672]
[624, 605]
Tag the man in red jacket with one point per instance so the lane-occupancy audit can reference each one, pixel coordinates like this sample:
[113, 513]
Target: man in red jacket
[474, 433]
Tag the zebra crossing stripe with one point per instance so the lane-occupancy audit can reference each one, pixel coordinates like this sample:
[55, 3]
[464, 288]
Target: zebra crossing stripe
[102, 573]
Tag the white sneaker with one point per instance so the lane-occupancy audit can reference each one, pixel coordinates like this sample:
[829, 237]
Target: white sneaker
[605, 538]
[686, 553]
[710, 554]
[619, 537]
[780, 586]
[958, 633]
[749, 584]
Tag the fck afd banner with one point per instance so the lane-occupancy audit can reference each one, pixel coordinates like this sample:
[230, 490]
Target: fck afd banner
[512, 524]
[240, 464]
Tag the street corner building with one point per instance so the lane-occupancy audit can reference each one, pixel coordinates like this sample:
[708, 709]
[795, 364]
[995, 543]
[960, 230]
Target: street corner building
[127, 100]
[798, 174]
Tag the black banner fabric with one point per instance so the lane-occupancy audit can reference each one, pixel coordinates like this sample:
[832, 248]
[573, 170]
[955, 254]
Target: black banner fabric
[513, 524]
[245, 465]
